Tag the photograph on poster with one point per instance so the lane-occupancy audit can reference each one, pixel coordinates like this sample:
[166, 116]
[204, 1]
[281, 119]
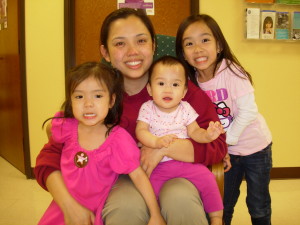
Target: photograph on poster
[3, 14]
[267, 24]
[148, 5]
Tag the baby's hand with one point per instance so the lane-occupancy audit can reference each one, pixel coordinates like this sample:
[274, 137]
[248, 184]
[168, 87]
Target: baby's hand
[165, 141]
[214, 130]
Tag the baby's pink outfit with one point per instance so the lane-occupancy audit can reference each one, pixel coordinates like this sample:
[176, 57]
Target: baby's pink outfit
[100, 168]
[176, 122]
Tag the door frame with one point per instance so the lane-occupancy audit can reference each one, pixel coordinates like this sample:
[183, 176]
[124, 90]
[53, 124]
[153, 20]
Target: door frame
[25, 125]
[69, 30]
[26, 160]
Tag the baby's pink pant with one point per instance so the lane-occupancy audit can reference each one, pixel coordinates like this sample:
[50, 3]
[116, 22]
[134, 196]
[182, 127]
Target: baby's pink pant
[198, 174]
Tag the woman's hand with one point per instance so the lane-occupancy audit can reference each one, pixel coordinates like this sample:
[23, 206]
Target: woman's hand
[156, 221]
[227, 163]
[76, 214]
[150, 158]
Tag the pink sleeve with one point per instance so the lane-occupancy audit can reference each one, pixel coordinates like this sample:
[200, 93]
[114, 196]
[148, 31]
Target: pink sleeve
[192, 115]
[61, 127]
[145, 112]
[125, 155]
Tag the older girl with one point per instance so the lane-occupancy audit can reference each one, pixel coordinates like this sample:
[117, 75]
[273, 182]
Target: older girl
[201, 45]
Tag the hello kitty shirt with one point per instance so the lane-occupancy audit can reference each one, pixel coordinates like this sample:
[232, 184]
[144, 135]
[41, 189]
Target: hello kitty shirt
[232, 96]
[90, 174]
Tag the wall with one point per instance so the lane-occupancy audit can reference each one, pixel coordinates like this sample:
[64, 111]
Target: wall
[44, 66]
[274, 66]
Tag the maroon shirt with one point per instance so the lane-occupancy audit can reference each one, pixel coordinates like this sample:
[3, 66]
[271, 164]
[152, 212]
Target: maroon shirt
[48, 159]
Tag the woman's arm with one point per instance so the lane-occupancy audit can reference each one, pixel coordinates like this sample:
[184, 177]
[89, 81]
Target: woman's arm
[215, 151]
[180, 149]
[74, 213]
[143, 184]
[47, 162]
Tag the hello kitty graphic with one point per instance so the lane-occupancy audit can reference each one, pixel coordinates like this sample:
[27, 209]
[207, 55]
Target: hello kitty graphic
[224, 114]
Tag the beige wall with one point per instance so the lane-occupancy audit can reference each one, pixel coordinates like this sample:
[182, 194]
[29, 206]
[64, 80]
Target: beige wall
[44, 66]
[274, 66]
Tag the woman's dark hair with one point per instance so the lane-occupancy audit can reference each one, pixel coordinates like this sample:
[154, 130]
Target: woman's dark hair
[225, 53]
[124, 13]
[106, 76]
[170, 61]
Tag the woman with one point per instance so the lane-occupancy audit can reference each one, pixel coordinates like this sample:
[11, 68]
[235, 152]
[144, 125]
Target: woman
[128, 43]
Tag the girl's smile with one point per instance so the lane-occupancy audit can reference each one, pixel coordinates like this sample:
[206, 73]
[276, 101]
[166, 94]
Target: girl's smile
[200, 49]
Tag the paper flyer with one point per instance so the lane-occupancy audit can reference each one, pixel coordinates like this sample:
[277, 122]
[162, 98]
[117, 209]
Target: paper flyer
[267, 24]
[252, 23]
[282, 25]
[3, 14]
[296, 26]
[148, 5]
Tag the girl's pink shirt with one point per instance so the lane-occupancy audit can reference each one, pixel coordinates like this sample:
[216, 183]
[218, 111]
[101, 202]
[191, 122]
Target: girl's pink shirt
[223, 90]
[91, 184]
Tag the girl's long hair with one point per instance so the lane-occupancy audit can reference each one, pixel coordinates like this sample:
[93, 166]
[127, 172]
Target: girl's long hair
[231, 61]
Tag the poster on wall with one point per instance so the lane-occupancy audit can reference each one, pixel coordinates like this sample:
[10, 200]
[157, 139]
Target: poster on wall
[267, 24]
[252, 23]
[282, 28]
[3, 14]
[148, 5]
[296, 26]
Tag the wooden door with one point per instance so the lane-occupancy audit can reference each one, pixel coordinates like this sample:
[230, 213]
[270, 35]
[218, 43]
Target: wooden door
[84, 19]
[13, 111]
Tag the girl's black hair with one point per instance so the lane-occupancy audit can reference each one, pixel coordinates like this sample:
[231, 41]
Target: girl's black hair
[170, 61]
[226, 53]
[106, 76]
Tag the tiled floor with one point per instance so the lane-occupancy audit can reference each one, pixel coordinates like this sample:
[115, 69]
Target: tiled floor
[24, 201]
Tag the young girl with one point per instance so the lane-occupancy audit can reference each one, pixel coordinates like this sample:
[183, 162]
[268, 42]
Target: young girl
[96, 150]
[166, 118]
[201, 45]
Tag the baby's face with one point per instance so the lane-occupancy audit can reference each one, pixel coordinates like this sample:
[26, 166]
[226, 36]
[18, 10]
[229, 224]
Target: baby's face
[167, 86]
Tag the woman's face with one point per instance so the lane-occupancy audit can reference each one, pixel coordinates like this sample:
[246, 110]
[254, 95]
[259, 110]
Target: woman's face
[129, 47]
